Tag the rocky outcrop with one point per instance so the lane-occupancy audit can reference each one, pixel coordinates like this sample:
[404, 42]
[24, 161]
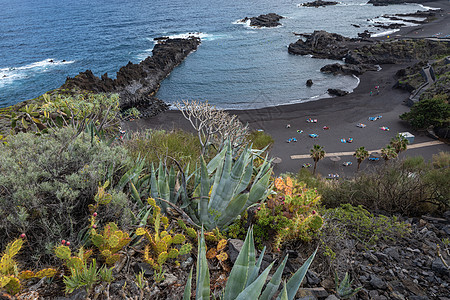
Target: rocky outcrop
[388, 2]
[321, 44]
[137, 83]
[348, 69]
[309, 82]
[337, 92]
[319, 3]
[268, 20]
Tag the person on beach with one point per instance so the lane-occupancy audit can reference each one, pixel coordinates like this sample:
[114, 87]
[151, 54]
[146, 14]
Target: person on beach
[370, 94]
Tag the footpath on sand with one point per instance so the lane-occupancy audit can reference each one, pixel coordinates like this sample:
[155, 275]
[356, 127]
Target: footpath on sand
[426, 144]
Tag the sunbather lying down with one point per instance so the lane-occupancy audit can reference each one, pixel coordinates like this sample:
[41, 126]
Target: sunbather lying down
[349, 140]
[384, 128]
[306, 165]
[313, 135]
[311, 120]
[347, 163]
[361, 125]
[333, 176]
[375, 118]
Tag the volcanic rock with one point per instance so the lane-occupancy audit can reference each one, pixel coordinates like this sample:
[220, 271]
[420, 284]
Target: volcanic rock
[268, 20]
[137, 83]
[309, 82]
[337, 92]
[319, 3]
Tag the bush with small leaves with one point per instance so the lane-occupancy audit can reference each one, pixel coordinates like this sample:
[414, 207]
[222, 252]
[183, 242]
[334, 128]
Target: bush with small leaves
[46, 184]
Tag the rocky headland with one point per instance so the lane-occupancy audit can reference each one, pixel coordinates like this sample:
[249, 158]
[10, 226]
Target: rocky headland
[137, 83]
[362, 55]
[268, 20]
[319, 3]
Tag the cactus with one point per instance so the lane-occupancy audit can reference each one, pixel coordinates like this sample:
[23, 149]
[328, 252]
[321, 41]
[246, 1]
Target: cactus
[49, 272]
[163, 245]
[110, 242]
[10, 277]
[63, 252]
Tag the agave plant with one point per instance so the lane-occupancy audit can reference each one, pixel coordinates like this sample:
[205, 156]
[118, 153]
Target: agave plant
[244, 282]
[230, 190]
[344, 289]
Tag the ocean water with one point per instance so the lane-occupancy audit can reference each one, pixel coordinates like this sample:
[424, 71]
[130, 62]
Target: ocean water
[43, 42]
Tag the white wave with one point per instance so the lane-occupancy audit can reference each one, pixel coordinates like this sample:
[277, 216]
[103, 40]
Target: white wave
[201, 35]
[384, 33]
[10, 74]
[428, 7]
[245, 23]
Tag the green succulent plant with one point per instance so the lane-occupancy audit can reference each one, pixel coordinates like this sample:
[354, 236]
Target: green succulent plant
[344, 289]
[230, 190]
[244, 281]
[10, 277]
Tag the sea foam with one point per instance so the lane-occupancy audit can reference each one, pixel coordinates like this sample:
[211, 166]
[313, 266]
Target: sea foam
[10, 74]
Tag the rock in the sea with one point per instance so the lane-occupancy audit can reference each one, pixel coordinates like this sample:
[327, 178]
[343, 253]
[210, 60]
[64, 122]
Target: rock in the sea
[364, 35]
[337, 92]
[309, 82]
[268, 20]
[319, 3]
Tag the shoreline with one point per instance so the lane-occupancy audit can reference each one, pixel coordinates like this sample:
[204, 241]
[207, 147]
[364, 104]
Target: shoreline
[341, 114]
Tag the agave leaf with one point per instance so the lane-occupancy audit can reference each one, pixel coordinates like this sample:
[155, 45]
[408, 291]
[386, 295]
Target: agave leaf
[251, 261]
[238, 275]
[274, 283]
[231, 177]
[154, 188]
[135, 195]
[217, 160]
[204, 193]
[234, 208]
[253, 274]
[284, 295]
[254, 290]
[130, 174]
[221, 183]
[187, 288]
[171, 184]
[202, 289]
[258, 190]
[294, 282]
[245, 179]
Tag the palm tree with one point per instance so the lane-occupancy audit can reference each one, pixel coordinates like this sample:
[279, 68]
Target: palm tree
[361, 154]
[399, 143]
[317, 153]
[388, 153]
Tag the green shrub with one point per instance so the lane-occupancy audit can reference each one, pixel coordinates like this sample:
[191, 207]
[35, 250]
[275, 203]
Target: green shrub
[156, 145]
[364, 226]
[46, 184]
[433, 111]
[410, 187]
[260, 139]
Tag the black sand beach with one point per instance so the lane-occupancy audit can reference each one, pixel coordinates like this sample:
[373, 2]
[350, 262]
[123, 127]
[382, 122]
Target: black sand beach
[340, 114]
